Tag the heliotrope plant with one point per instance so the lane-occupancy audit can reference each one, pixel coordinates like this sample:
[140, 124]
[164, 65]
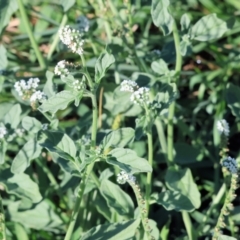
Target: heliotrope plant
[79, 152]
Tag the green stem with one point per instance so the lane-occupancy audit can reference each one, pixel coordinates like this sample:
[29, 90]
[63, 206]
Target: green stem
[2, 222]
[161, 136]
[172, 106]
[149, 174]
[56, 38]
[89, 168]
[188, 225]
[30, 34]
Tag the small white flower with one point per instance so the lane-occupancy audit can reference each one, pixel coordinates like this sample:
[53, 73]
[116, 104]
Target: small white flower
[223, 127]
[44, 126]
[38, 95]
[123, 177]
[61, 68]
[79, 85]
[128, 86]
[72, 38]
[19, 132]
[231, 165]
[141, 96]
[3, 131]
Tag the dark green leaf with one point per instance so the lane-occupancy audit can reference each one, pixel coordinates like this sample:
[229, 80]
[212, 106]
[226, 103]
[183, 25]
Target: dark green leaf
[102, 65]
[59, 143]
[115, 231]
[161, 17]
[29, 151]
[117, 199]
[233, 99]
[7, 8]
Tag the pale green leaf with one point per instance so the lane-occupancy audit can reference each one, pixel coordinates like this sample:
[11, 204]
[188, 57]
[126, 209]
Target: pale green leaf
[41, 217]
[208, 28]
[12, 117]
[21, 185]
[185, 22]
[160, 67]
[29, 151]
[3, 149]
[102, 65]
[181, 181]
[117, 199]
[114, 231]
[57, 102]
[3, 56]
[48, 88]
[31, 124]
[67, 4]
[161, 16]
[127, 160]
[118, 138]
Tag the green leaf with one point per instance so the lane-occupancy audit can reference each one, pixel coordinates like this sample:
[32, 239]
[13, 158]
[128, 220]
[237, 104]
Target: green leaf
[173, 200]
[208, 28]
[225, 237]
[3, 55]
[181, 181]
[102, 65]
[185, 22]
[233, 99]
[114, 231]
[160, 67]
[7, 8]
[13, 116]
[118, 138]
[57, 102]
[31, 124]
[41, 217]
[117, 199]
[127, 160]
[49, 87]
[29, 151]
[67, 4]
[3, 149]
[21, 185]
[161, 17]
[185, 154]
[185, 47]
[59, 143]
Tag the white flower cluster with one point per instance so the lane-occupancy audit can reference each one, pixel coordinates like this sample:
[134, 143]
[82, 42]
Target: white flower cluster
[22, 86]
[3, 131]
[79, 85]
[128, 86]
[140, 96]
[83, 24]
[231, 165]
[123, 177]
[72, 38]
[61, 68]
[19, 132]
[27, 90]
[223, 127]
